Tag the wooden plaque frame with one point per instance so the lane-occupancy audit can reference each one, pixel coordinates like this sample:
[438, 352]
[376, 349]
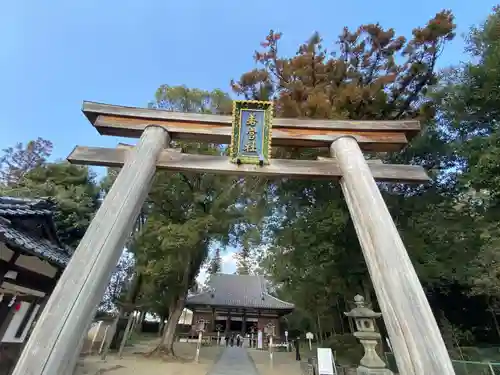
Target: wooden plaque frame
[251, 132]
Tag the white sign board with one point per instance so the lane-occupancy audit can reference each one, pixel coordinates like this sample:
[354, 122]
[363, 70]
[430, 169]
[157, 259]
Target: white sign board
[326, 362]
[259, 340]
[309, 336]
[286, 333]
[10, 333]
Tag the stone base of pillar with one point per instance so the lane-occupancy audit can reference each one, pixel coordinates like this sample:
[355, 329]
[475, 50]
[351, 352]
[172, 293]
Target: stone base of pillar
[362, 370]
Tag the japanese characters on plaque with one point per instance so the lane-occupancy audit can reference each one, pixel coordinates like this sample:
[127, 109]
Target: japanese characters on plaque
[251, 132]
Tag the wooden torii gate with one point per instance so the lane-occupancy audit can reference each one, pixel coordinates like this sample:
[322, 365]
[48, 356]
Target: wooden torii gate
[57, 338]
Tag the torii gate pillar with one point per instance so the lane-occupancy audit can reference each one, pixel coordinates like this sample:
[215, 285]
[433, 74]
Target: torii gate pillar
[419, 347]
[51, 347]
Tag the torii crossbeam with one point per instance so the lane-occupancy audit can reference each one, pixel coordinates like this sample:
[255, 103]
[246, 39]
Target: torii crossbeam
[58, 335]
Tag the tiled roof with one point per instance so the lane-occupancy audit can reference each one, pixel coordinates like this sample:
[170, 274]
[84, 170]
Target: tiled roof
[18, 208]
[238, 291]
[10, 206]
[38, 246]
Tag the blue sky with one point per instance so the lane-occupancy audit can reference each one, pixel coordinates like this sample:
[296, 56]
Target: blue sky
[55, 54]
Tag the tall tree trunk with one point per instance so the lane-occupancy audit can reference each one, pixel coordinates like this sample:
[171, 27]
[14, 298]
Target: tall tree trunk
[163, 318]
[140, 321]
[167, 341]
[320, 331]
[351, 325]
[166, 346]
[161, 324]
[132, 294]
[341, 316]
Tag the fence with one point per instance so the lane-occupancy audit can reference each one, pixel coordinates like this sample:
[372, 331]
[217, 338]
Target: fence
[461, 367]
[309, 367]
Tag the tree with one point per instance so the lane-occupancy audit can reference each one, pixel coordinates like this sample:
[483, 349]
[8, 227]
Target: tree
[187, 214]
[184, 99]
[215, 265]
[246, 257]
[118, 282]
[470, 110]
[363, 81]
[73, 188]
[18, 160]
[314, 257]
[243, 266]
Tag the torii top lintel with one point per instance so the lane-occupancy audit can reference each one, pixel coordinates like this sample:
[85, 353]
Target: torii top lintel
[123, 121]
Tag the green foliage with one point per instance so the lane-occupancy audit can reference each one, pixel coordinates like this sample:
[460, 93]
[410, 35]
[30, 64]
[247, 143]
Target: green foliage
[246, 262]
[347, 349]
[184, 99]
[314, 258]
[471, 109]
[117, 286]
[215, 265]
[187, 213]
[471, 106]
[73, 188]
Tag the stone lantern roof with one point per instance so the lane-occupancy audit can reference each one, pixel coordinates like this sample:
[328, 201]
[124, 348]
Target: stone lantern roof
[361, 311]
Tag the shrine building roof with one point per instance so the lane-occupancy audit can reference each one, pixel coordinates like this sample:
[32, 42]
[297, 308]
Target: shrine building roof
[245, 291]
[27, 225]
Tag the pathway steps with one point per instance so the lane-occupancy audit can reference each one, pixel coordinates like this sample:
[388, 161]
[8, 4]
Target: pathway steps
[234, 361]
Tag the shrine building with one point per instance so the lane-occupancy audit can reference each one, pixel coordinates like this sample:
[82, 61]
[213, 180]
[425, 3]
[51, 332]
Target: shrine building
[238, 304]
[31, 261]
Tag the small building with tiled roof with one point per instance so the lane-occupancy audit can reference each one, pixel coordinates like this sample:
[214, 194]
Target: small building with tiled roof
[31, 260]
[238, 303]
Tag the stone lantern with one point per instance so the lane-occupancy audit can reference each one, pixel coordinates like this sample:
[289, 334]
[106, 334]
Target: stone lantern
[371, 363]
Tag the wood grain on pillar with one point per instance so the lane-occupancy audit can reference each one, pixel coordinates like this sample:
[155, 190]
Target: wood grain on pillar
[416, 339]
[58, 335]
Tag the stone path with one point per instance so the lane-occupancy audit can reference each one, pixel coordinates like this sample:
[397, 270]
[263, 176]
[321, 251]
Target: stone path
[234, 361]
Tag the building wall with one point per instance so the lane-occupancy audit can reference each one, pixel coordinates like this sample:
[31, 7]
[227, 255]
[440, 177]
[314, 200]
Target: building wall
[186, 317]
[30, 263]
[197, 315]
[264, 320]
[261, 320]
[10, 345]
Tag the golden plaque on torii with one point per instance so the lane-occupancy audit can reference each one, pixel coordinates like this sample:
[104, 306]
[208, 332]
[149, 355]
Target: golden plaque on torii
[251, 132]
